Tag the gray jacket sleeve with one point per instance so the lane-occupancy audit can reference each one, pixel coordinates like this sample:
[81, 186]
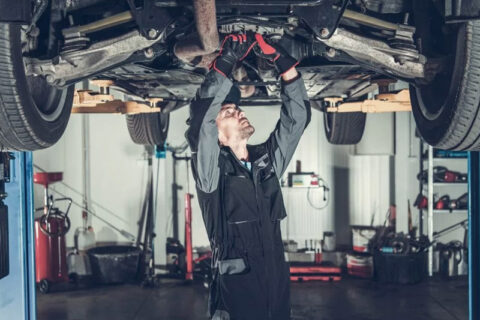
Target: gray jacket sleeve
[202, 134]
[295, 115]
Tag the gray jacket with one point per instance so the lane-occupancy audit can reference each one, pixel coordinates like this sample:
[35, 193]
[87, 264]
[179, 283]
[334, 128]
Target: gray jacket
[202, 134]
[242, 208]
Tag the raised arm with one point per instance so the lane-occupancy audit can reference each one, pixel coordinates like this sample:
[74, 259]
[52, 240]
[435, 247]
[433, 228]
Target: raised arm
[295, 113]
[202, 135]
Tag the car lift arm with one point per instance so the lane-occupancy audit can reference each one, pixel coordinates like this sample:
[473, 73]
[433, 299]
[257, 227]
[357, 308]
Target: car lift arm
[87, 101]
[385, 102]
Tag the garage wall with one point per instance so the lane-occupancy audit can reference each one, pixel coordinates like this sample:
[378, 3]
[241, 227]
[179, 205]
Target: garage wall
[315, 153]
[360, 178]
[118, 175]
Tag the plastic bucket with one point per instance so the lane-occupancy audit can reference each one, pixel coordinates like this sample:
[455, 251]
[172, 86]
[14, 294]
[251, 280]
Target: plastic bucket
[360, 265]
[361, 237]
[114, 264]
[329, 241]
[401, 268]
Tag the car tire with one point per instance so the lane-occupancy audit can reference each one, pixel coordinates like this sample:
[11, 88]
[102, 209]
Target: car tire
[33, 114]
[446, 109]
[344, 128]
[148, 128]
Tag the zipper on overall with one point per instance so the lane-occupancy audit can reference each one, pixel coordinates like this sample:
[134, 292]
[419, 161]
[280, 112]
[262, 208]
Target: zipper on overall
[255, 172]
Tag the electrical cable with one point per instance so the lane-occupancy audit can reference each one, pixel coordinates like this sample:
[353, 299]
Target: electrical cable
[81, 195]
[326, 197]
[124, 233]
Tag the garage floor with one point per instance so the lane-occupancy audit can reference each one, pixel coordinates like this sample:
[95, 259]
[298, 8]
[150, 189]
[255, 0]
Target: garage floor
[347, 299]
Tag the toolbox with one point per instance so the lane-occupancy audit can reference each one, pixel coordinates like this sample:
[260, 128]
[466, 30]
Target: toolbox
[314, 272]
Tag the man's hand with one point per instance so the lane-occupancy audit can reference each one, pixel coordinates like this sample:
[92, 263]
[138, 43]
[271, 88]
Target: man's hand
[285, 63]
[235, 47]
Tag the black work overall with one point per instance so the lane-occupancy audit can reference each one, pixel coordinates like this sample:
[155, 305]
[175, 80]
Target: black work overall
[242, 208]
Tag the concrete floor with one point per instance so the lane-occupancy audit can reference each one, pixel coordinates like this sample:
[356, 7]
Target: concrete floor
[348, 299]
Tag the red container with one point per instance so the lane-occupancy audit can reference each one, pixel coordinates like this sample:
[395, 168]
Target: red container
[50, 251]
[360, 265]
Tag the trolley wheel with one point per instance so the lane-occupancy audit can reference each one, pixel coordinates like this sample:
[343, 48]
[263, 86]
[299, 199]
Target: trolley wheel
[44, 286]
[151, 282]
[73, 278]
[206, 281]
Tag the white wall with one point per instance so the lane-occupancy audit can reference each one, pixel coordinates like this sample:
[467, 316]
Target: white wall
[118, 174]
[361, 178]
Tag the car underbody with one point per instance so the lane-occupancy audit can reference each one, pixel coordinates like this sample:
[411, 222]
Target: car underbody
[162, 50]
[157, 50]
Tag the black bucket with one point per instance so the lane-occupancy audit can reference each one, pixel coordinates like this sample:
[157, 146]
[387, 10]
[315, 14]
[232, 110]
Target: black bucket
[402, 269]
[114, 264]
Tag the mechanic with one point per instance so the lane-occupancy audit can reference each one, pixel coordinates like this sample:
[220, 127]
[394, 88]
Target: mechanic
[238, 184]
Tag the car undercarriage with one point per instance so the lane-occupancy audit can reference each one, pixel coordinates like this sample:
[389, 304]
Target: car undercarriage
[163, 49]
[158, 60]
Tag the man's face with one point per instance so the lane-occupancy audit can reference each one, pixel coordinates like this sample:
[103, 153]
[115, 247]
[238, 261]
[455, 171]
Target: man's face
[232, 123]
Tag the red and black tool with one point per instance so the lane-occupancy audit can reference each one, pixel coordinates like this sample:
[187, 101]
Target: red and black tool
[421, 202]
[442, 203]
[314, 272]
[442, 174]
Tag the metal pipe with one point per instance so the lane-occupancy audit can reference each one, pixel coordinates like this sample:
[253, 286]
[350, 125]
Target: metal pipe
[430, 209]
[109, 22]
[204, 42]
[368, 20]
[421, 182]
[303, 3]
[373, 52]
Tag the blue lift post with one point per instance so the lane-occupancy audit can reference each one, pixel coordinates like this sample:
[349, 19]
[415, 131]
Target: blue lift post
[474, 234]
[17, 289]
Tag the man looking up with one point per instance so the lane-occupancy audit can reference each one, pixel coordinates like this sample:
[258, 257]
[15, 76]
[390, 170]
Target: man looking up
[238, 184]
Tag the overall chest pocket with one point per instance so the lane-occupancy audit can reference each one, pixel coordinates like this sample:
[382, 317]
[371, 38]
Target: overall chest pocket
[240, 201]
[273, 198]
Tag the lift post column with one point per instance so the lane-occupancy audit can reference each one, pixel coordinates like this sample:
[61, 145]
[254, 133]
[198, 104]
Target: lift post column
[474, 234]
[17, 289]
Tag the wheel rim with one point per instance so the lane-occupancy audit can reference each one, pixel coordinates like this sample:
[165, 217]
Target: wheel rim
[48, 100]
[43, 286]
[432, 97]
[442, 47]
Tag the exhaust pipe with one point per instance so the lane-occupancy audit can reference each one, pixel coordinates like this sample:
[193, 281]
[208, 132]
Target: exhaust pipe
[198, 49]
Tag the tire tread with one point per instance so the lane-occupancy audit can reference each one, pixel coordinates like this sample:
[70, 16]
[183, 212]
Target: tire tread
[146, 128]
[346, 128]
[16, 132]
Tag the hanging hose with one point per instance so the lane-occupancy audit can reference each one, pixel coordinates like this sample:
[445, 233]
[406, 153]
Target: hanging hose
[124, 233]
